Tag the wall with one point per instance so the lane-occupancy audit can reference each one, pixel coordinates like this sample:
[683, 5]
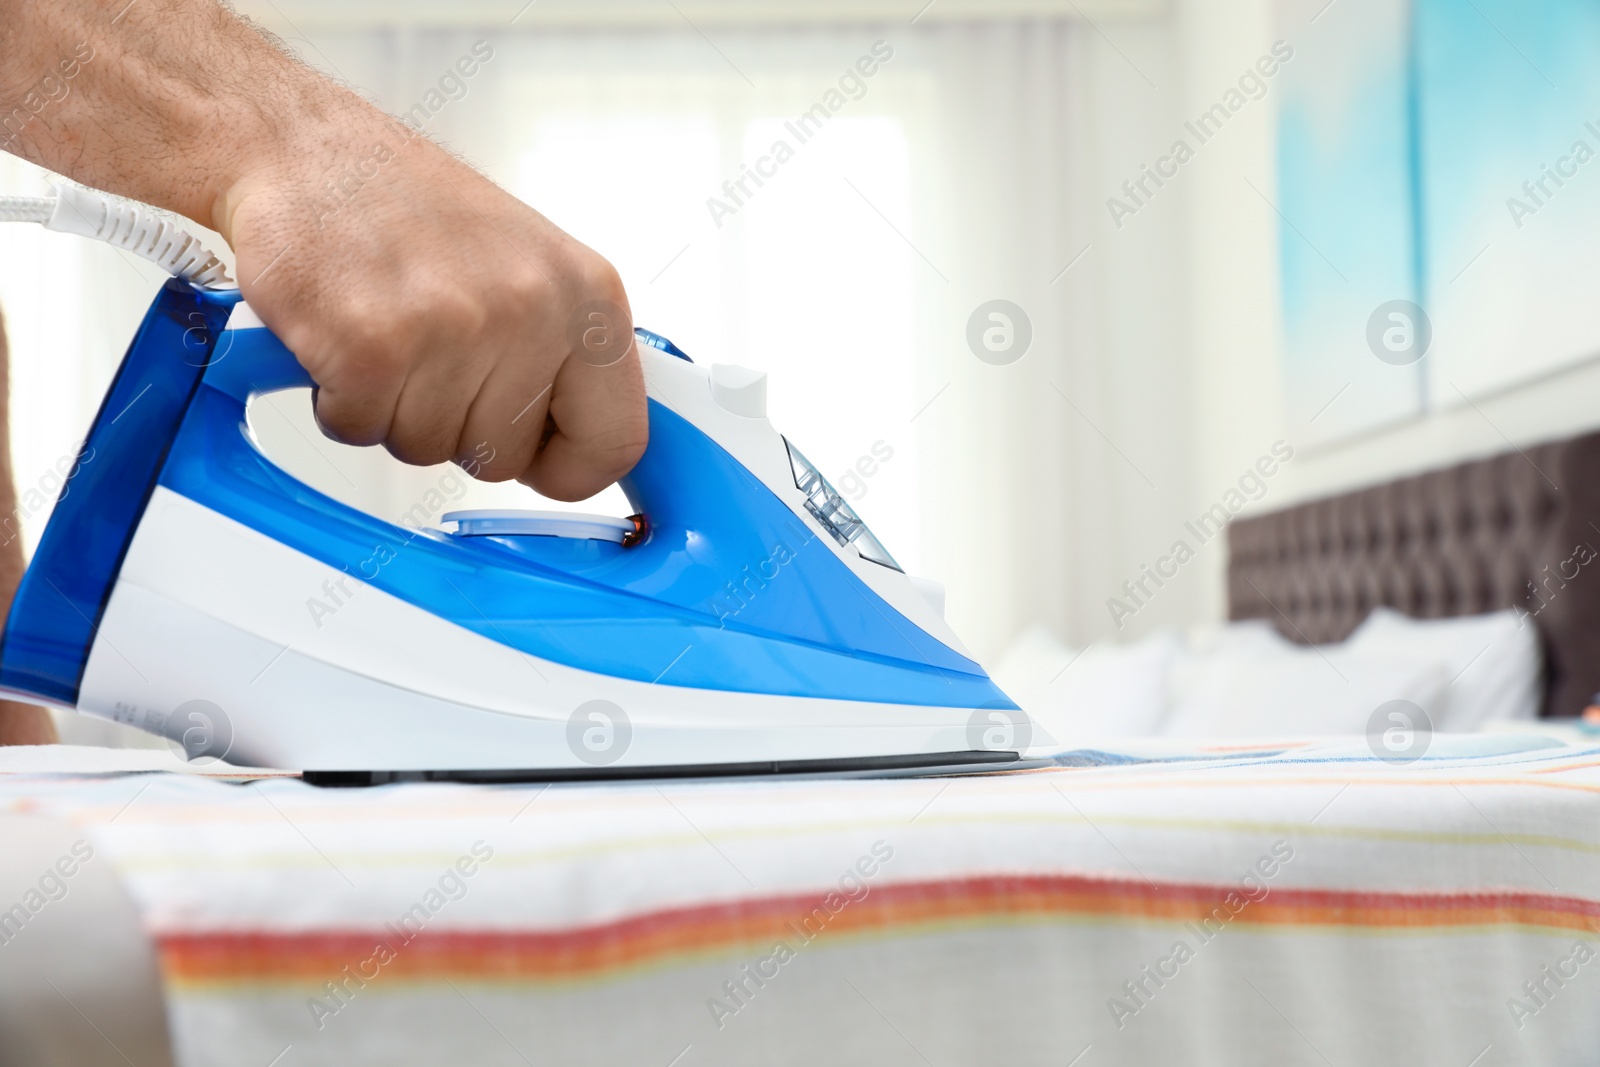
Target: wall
[1232, 276]
[1236, 334]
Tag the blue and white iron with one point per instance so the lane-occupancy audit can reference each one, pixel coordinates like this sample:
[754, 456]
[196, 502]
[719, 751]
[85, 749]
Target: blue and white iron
[745, 621]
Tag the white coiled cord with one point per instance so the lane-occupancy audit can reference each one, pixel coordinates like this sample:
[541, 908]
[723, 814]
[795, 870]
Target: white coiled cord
[123, 224]
[26, 208]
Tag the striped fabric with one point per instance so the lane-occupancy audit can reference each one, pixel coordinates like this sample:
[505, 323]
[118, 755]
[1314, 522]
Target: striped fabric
[1304, 903]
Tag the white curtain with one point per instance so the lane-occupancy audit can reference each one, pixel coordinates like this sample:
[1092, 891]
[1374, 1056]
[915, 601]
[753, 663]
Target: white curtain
[970, 166]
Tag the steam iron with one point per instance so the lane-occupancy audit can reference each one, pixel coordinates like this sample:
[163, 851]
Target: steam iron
[744, 621]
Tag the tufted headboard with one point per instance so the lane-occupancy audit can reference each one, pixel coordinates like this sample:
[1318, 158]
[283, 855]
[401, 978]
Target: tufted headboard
[1516, 530]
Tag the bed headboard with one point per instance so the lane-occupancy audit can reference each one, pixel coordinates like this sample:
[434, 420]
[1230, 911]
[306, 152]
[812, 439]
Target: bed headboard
[1518, 530]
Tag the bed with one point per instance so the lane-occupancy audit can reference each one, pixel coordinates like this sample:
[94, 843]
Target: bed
[1138, 902]
[1513, 531]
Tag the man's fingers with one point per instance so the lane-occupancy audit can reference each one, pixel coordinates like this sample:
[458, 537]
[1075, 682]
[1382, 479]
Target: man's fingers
[433, 407]
[359, 374]
[355, 414]
[506, 422]
[600, 428]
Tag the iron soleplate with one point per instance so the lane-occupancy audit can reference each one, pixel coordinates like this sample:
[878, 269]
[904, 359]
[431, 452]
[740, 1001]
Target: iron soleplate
[854, 766]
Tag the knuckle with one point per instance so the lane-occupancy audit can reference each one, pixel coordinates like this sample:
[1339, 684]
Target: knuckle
[523, 286]
[494, 461]
[599, 325]
[353, 420]
[371, 338]
[604, 283]
[421, 446]
[454, 312]
[593, 277]
[617, 450]
[364, 378]
[488, 472]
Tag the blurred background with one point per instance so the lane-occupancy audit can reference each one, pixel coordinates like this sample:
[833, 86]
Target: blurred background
[1035, 293]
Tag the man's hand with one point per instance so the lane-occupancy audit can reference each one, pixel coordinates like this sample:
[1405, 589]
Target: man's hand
[437, 314]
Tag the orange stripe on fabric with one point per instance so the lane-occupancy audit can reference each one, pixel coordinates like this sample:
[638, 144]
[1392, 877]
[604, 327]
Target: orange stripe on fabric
[658, 937]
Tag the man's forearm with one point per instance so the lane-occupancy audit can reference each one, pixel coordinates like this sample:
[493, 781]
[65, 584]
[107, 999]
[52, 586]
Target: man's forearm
[20, 724]
[166, 101]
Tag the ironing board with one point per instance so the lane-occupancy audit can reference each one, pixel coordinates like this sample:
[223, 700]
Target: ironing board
[1294, 903]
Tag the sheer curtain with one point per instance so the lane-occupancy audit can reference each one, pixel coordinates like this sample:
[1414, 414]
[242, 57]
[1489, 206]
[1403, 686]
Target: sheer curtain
[968, 167]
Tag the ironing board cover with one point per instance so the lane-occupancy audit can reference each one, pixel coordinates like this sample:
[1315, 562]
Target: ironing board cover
[1296, 903]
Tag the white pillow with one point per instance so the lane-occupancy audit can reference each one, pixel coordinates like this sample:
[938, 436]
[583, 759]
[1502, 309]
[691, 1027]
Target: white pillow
[1493, 662]
[1192, 669]
[1294, 691]
[1243, 634]
[1091, 694]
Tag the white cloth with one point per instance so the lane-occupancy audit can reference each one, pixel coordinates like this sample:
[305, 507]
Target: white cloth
[1330, 906]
